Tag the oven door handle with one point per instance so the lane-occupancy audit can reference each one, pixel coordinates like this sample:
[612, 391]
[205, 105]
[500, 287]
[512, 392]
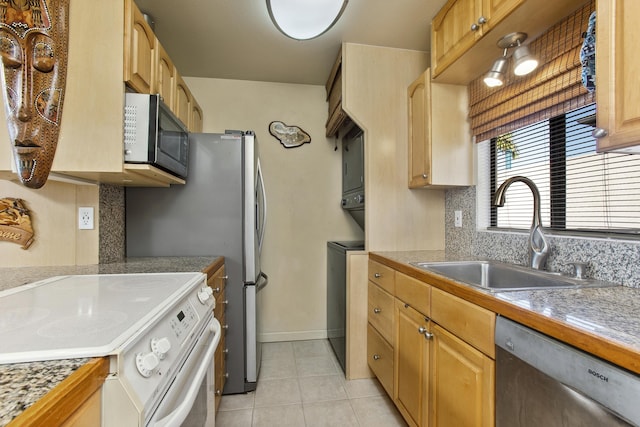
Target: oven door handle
[178, 415]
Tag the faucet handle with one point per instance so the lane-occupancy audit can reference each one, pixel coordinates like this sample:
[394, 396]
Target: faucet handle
[579, 269]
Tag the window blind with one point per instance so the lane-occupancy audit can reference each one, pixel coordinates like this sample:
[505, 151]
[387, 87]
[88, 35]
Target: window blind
[553, 89]
[581, 190]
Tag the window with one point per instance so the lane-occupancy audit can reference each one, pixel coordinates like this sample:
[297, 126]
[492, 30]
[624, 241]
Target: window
[581, 190]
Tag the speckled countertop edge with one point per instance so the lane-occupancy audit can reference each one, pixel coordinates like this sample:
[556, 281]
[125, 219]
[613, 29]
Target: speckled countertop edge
[609, 313]
[23, 384]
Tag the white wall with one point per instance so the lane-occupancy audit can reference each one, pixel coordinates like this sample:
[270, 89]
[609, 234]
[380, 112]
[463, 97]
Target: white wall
[53, 211]
[303, 188]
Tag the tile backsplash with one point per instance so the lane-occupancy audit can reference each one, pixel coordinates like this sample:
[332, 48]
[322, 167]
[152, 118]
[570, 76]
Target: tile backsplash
[612, 260]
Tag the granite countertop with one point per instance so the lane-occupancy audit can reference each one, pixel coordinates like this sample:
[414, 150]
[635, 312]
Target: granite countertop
[23, 384]
[602, 321]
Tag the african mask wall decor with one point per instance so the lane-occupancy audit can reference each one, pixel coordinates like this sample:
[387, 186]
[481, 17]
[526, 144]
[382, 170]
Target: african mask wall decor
[33, 44]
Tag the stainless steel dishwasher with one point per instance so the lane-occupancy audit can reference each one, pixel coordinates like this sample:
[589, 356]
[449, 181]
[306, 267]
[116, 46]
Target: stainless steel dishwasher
[543, 382]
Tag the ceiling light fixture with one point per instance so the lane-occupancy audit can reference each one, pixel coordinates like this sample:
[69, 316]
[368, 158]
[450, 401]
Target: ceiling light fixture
[495, 77]
[305, 20]
[523, 61]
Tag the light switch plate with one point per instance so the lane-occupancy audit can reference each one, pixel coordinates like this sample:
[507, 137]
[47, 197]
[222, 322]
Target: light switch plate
[458, 218]
[85, 218]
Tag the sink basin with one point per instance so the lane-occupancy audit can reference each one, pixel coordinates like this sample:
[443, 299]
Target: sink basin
[498, 277]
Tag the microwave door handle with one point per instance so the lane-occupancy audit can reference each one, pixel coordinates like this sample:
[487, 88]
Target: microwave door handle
[178, 415]
[264, 206]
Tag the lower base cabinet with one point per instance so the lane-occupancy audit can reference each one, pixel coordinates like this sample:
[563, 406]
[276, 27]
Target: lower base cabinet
[412, 364]
[443, 367]
[462, 385]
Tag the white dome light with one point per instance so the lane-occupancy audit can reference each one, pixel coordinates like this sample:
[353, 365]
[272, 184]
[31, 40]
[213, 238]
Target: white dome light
[305, 19]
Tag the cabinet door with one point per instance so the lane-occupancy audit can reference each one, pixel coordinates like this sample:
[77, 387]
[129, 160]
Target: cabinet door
[166, 78]
[183, 101]
[453, 31]
[617, 67]
[411, 364]
[420, 131]
[495, 11]
[462, 383]
[196, 118]
[139, 50]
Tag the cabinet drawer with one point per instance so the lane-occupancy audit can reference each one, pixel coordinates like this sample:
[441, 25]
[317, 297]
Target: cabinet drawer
[471, 323]
[380, 358]
[414, 292]
[380, 306]
[382, 276]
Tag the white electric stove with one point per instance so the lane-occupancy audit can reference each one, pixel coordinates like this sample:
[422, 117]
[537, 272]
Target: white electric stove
[157, 329]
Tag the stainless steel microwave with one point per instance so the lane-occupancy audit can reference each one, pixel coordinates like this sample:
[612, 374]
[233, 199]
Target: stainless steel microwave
[154, 135]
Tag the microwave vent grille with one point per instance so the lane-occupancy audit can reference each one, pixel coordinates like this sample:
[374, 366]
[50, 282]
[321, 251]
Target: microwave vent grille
[130, 113]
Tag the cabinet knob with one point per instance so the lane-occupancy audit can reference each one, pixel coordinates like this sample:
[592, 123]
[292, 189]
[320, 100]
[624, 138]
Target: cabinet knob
[422, 329]
[377, 310]
[425, 176]
[225, 351]
[218, 392]
[225, 327]
[428, 335]
[216, 290]
[377, 275]
[475, 27]
[599, 133]
[482, 20]
[376, 357]
[226, 375]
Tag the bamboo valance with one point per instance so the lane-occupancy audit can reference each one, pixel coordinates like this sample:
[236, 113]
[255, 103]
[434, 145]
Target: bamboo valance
[553, 89]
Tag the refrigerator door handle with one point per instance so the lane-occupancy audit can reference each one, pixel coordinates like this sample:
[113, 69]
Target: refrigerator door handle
[264, 206]
[263, 281]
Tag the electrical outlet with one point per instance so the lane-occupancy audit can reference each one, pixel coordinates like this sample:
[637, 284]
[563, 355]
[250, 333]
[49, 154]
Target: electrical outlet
[85, 218]
[458, 218]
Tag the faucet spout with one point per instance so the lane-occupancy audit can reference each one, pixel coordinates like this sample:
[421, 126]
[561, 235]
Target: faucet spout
[538, 244]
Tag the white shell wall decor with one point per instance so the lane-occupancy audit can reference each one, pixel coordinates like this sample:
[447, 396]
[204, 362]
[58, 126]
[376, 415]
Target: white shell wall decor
[289, 136]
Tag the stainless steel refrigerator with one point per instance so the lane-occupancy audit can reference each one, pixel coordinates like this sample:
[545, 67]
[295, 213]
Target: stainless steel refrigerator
[220, 211]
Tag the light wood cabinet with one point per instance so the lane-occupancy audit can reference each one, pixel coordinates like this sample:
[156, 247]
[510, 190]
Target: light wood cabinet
[462, 383]
[165, 82]
[617, 66]
[182, 107]
[443, 352]
[90, 145]
[440, 146]
[411, 363]
[460, 23]
[381, 324]
[140, 51]
[464, 33]
[196, 117]
[217, 280]
[337, 117]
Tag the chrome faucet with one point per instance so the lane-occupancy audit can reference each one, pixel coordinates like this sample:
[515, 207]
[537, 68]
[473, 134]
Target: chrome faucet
[538, 244]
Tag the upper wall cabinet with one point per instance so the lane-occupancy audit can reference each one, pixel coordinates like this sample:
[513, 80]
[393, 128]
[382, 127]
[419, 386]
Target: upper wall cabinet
[90, 145]
[617, 65]
[149, 69]
[166, 80]
[440, 147]
[337, 117]
[460, 23]
[465, 32]
[140, 51]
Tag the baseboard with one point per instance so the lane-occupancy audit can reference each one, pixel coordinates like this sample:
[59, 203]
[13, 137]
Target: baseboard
[292, 336]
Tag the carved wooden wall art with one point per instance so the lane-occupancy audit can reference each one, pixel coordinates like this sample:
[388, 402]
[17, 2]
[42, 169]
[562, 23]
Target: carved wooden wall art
[289, 136]
[34, 40]
[15, 222]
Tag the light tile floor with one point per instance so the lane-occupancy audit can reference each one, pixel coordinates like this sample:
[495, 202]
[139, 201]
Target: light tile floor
[301, 385]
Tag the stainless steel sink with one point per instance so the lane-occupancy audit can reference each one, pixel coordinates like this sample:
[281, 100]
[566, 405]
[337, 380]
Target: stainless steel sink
[498, 277]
